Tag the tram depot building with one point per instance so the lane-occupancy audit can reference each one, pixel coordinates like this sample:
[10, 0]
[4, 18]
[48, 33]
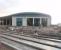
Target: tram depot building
[26, 19]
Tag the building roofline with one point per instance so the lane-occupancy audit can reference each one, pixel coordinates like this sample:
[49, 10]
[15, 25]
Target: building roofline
[27, 14]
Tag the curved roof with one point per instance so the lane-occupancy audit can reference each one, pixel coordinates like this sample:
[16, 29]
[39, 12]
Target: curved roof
[30, 14]
[24, 14]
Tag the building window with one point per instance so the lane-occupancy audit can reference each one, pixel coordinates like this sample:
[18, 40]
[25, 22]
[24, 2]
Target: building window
[30, 21]
[36, 21]
[19, 21]
[44, 22]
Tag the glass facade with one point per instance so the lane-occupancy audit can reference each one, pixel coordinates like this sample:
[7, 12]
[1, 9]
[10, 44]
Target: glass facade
[36, 21]
[19, 21]
[32, 22]
[29, 21]
[44, 22]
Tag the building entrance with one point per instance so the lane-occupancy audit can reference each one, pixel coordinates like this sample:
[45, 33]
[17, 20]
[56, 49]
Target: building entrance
[29, 21]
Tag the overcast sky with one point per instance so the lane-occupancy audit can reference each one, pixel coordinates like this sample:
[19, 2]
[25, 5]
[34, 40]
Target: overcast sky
[51, 7]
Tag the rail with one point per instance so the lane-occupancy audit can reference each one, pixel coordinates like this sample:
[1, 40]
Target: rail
[16, 41]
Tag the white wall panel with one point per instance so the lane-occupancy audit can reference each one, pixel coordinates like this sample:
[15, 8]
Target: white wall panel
[24, 21]
[13, 21]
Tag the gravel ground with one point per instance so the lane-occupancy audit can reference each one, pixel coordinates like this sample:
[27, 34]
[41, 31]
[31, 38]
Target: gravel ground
[4, 47]
[33, 32]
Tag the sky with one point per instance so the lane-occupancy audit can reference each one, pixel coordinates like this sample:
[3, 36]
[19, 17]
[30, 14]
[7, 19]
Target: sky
[51, 7]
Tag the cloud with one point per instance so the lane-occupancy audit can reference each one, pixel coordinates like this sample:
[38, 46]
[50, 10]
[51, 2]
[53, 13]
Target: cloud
[51, 7]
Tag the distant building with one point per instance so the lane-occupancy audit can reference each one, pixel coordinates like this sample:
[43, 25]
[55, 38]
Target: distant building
[26, 19]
